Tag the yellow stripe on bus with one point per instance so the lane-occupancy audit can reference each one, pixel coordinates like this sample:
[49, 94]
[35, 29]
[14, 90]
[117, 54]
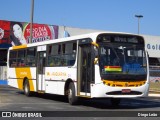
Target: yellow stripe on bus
[124, 84]
[19, 47]
[22, 73]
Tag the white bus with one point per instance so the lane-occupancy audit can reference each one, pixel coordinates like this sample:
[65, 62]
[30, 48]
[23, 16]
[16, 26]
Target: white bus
[96, 65]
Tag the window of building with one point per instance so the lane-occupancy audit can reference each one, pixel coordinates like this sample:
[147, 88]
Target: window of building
[3, 57]
[154, 61]
[154, 66]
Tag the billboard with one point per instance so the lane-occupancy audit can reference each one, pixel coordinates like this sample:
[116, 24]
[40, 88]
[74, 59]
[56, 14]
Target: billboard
[18, 33]
[4, 32]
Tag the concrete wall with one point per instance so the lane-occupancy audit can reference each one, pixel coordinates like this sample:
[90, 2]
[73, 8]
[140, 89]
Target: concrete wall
[3, 75]
[74, 31]
[3, 72]
[152, 45]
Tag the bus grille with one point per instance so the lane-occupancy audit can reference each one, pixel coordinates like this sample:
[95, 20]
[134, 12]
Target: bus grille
[120, 93]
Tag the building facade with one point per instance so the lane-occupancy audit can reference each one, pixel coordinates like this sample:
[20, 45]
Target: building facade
[17, 33]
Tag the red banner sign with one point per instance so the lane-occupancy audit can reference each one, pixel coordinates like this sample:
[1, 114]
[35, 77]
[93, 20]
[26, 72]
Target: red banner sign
[40, 33]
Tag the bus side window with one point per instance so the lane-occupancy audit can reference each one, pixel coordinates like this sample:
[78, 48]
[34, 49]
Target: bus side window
[31, 56]
[69, 53]
[12, 58]
[63, 54]
[21, 58]
[53, 51]
[13, 63]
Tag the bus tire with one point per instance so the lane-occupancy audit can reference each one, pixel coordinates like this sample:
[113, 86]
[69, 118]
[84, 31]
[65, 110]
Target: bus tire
[72, 99]
[115, 102]
[27, 91]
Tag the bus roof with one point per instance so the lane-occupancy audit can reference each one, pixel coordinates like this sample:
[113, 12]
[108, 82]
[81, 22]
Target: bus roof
[93, 36]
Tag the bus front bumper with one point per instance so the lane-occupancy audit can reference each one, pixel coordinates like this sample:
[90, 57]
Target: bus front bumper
[103, 91]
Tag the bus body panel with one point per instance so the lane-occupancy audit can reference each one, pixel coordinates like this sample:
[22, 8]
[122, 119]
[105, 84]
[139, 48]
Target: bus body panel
[17, 75]
[100, 91]
[97, 75]
[56, 78]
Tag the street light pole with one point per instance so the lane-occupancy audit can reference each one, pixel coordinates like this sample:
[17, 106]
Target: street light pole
[31, 22]
[138, 16]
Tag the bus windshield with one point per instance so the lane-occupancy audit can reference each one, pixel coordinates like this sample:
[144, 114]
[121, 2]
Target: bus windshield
[122, 59]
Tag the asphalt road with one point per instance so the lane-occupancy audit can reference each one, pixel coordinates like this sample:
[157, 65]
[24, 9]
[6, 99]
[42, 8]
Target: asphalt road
[12, 99]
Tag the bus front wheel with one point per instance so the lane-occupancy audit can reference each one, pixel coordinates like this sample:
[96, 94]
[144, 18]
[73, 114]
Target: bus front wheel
[72, 99]
[27, 91]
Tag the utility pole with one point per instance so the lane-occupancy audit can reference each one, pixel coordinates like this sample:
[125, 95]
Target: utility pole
[139, 16]
[31, 22]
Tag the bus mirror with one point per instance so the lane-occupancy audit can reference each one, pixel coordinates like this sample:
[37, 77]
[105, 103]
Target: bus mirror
[85, 41]
[95, 52]
[95, 47]
[95, 44]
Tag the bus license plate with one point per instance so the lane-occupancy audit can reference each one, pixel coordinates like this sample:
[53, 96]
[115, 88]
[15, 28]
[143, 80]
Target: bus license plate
[126, 90]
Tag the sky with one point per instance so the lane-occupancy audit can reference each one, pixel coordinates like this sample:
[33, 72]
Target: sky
[109, 15]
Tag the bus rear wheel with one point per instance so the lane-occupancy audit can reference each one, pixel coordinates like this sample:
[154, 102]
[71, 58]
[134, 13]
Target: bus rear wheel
[72, 99]
[26, 86]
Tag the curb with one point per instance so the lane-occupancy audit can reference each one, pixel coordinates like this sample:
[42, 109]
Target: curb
[154, 95]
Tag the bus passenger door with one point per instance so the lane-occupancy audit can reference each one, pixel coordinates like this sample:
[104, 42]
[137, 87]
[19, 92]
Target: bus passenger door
[41, 71]
[85, 69]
